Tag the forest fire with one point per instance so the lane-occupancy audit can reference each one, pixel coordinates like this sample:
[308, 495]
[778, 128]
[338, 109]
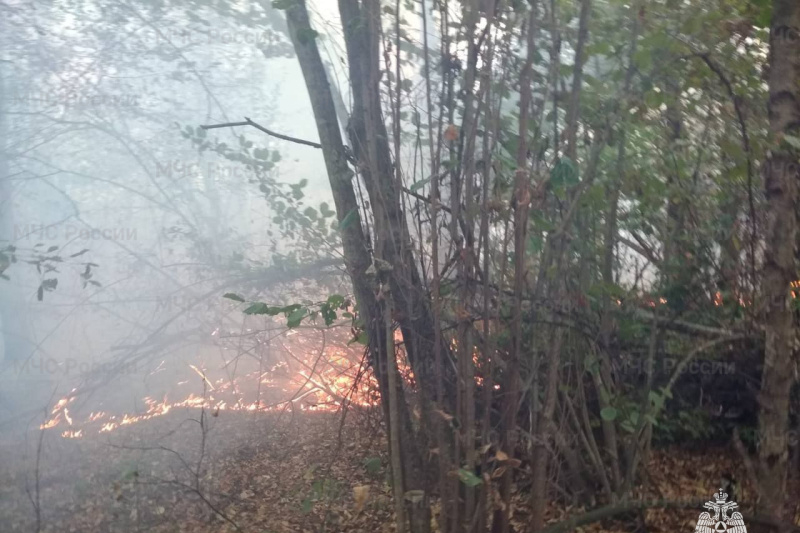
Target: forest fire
[311, 383]
[306, 380]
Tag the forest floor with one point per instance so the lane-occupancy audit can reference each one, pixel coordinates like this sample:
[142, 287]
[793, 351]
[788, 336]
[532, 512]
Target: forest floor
[264, 473]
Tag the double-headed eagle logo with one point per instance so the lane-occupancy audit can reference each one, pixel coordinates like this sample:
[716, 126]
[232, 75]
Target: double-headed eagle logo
[720, 522]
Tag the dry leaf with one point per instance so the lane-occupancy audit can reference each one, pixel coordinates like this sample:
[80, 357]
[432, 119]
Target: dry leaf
[462, 314]
[443, 415]
[451, 133]
[499, 472]
[360, 496]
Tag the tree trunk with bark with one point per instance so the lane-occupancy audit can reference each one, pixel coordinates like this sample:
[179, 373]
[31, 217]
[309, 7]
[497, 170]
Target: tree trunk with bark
[396, 258]
[780, 267]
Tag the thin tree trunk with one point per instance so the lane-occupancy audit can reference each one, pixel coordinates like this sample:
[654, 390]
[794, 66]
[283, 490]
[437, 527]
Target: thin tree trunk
[355, 246]
[544, 426]
[780, 266]
[522, 199]
[603, 379]
[370, 141]
[394, 415]
[573, 109]
[469, 255]
[441, 424]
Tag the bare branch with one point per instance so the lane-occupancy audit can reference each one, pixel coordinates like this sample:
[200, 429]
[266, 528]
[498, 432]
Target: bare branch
[257, 126]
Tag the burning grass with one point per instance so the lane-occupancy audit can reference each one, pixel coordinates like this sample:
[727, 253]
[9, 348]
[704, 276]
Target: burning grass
[299, 377]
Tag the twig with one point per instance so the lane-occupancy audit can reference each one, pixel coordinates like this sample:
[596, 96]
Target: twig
[196, 471]
[423, 198]
[689, 328]
[736, 100]
[257, 126]
[36, 497]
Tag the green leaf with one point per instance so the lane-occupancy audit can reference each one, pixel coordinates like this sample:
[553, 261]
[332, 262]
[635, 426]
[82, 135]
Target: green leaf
[289, 308]
[296, 317]
[564, 174]
[233, 296]
[420, 184]
[609, 414]
[328, 313]
[306, 35]
[644, 59]
[468, 478]
[259, 308]
[373, 465]
[657, 400]
[335, 300]
[535, 243]
[764, 12]
[792, 141]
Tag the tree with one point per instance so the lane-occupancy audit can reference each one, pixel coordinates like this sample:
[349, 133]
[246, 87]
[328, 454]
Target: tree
[515, 234]
[781, 175]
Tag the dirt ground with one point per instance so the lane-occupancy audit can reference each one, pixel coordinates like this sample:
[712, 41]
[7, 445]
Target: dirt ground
[273, 472]
[261, 471]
